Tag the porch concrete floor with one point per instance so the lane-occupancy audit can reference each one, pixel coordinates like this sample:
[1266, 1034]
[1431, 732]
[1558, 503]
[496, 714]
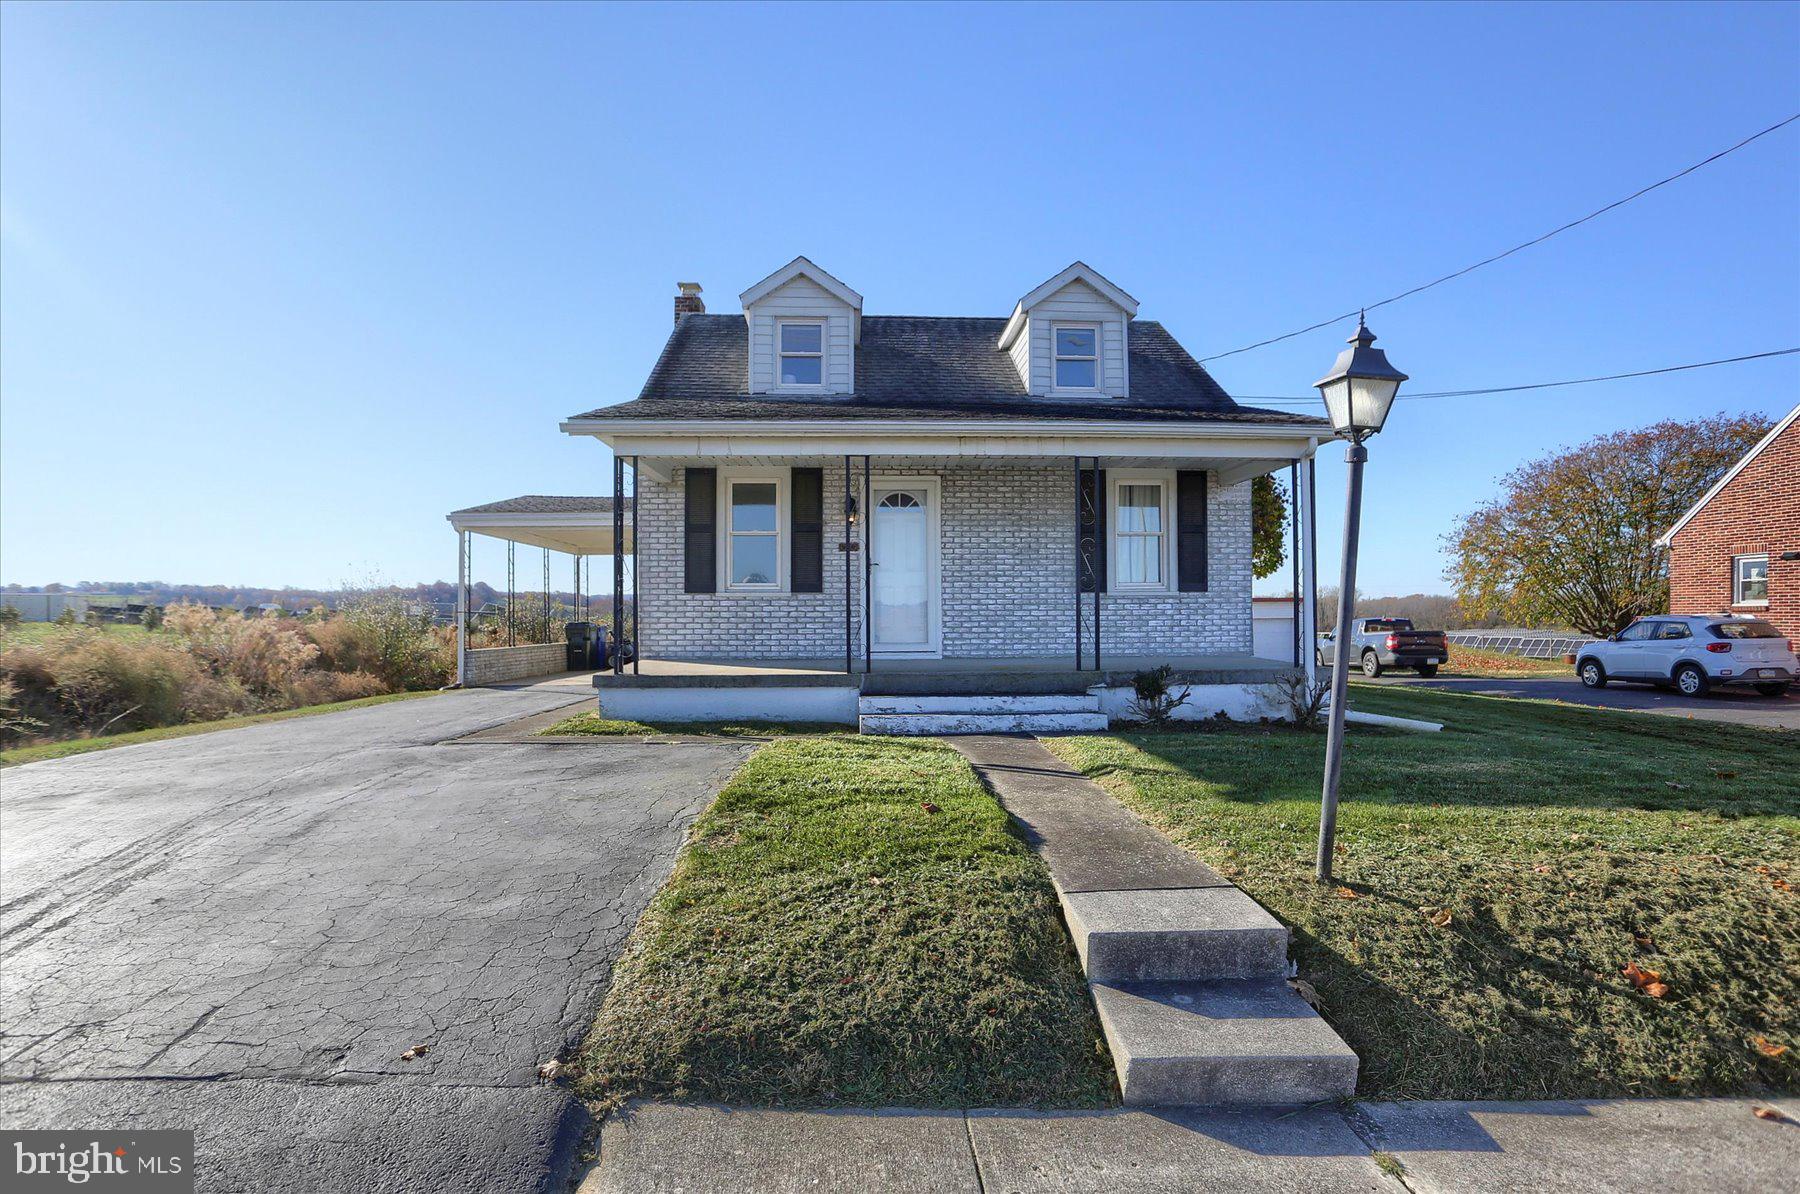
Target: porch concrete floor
[999, 674]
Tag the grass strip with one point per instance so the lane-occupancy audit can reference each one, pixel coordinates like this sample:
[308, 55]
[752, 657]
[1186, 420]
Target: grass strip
[80, 746]
[1495, 880]
[828, 939]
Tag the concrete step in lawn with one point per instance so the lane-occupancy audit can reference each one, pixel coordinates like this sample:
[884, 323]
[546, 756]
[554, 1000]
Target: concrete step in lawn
[1188, 974]
[1249, 1041]
[1185, 935]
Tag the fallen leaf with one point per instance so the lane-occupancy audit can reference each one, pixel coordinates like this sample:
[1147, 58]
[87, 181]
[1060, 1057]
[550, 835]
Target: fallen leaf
[1656, 990]
[1768, 1113]
[1441, 918]
[1641, 978]
[1782, 885]
[1305, 990]
[928, 806]
[1725, 775]
[1767, 1047]
[875, 880]
[549, 1070]
[1342, 848]
[1344, 893]
[1543, 868]
[416, 1052]
[1645, 943]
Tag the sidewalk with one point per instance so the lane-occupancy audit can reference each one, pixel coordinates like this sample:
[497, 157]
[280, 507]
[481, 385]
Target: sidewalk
[1665, 1145]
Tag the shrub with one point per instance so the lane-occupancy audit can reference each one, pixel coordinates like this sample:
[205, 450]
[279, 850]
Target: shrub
[324, 688]
[1152, 700]
[10, 616]
[102, 683]
[409, 653]
[1305, 700]
[65, 616]
[344, 645]
[153, 617]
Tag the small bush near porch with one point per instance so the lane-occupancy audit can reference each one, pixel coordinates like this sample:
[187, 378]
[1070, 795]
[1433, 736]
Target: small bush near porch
[853, 922]
[1536, 902]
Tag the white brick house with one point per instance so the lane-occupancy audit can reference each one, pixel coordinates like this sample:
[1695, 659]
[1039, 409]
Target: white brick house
[834, 510]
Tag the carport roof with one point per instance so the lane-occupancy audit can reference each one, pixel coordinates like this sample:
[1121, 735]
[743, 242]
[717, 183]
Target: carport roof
[577, 525]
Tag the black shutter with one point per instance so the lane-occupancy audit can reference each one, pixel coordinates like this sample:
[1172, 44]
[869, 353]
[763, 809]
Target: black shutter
[1190, 530]
[806, 530]
[1092, 518]
[700, 537]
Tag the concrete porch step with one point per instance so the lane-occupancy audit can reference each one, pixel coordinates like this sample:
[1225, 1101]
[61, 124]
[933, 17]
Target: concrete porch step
[981, 723]
[1250, 1041]
[1064, 703]
[1181, 935]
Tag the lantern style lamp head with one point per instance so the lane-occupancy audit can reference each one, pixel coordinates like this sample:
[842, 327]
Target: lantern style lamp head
[1360, 387]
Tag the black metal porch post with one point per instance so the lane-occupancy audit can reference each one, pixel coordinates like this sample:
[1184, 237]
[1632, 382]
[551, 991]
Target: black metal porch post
[1099, 530]
[849, 529]
[868, 563]
[1080, 655]
[636, 559]
[1294, 550]
[618, 555]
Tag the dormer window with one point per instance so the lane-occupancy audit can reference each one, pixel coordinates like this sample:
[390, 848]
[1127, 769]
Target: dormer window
[1077, 357]
[801, 357]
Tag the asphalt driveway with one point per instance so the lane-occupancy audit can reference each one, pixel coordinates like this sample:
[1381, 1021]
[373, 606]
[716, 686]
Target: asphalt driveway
[1733, 704]
[243, 932]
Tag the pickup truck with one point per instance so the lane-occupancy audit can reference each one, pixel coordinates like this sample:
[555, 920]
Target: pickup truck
[1381, 643]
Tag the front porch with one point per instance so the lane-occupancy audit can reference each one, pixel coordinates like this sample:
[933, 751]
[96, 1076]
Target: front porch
[935, 695]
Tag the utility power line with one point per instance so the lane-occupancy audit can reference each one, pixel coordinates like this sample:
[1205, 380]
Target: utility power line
[1289, 399]
[1508, 253]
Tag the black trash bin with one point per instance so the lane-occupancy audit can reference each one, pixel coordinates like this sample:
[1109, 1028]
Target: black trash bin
[581, 644]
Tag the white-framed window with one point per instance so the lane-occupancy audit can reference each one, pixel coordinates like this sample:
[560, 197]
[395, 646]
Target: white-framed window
[799, 353]
[1138, 556]
[1750, 580]
[1076, 348]
[755, 539]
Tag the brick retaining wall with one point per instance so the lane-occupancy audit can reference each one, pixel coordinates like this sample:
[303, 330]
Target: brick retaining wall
[497, 665]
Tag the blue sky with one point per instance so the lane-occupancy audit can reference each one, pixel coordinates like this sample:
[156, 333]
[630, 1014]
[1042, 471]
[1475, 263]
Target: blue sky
[280, 285]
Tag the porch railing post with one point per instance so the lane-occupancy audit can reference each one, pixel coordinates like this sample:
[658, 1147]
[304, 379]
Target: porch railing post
[1309, 568]
[1099, 532]
[462, 607]
[1080, 654]
[868, 564]
[1293, 551]
[618, 555]
[636, 614]
[849, 530]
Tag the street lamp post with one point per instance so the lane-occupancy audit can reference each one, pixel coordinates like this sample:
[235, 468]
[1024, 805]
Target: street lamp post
[1358, 392]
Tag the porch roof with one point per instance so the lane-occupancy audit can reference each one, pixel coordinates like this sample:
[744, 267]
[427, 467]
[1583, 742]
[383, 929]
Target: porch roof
[577, 525]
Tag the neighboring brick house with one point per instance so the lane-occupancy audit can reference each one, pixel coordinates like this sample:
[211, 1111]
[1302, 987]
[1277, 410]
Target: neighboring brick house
[966, 496]
[1738, 548]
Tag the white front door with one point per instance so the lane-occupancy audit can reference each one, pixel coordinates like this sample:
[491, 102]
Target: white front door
[904, 566]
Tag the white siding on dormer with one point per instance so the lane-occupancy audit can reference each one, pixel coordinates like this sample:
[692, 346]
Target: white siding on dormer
[802, 298]
[1077, 303]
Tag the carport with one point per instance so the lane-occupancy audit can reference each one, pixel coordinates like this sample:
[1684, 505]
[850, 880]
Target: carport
[579, 527]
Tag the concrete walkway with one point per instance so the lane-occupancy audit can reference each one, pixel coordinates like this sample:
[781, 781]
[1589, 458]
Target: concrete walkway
[1670, 1146]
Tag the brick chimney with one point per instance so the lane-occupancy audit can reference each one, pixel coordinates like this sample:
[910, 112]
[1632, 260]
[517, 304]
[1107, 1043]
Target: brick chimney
[688, 302]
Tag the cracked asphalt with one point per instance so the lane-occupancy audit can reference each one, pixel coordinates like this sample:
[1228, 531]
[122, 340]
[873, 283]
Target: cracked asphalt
[242, 932]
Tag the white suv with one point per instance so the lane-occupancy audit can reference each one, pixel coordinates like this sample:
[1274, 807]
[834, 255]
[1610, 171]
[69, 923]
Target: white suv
[1692, 652]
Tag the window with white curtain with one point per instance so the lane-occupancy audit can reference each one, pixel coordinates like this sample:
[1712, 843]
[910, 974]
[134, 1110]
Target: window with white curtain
[1750, 580]
[1140, 533]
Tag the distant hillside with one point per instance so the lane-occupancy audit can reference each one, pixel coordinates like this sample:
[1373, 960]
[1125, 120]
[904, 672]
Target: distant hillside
[440, 593]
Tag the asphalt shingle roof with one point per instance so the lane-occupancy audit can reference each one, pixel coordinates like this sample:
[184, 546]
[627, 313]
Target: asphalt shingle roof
[924, 367]
[539, 503]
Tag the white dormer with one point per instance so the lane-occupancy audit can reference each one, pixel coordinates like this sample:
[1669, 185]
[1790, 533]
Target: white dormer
[804, 326]
[1067, 337]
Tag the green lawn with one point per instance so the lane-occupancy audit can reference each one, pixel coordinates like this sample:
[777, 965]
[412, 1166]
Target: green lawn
[827, 939]
[1496, 878]
[81, 746]
[606, 727]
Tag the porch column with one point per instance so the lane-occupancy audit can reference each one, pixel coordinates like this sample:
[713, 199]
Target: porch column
[636, 559]
[618, 555]
[462, 607]
[1293, 555]
[1076, 511]
[868, 602]
[849, 529]
[1309, 570]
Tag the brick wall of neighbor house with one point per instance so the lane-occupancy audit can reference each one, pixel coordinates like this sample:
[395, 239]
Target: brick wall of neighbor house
[1007, 551]
[1759, 511]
